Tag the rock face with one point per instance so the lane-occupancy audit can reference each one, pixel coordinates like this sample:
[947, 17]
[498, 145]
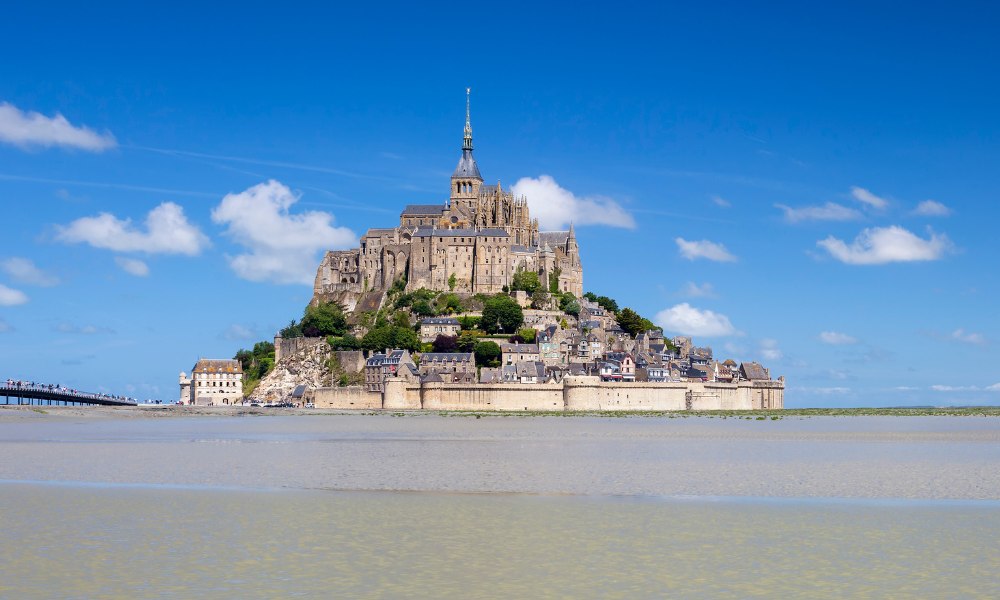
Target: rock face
[307, 366]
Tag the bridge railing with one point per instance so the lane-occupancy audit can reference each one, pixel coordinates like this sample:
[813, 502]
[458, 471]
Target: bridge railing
[19, 388]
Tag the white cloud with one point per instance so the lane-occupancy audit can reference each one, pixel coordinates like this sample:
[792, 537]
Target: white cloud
[824, 391]
[23, 270]
[31, 129]
[880, 245]
[769, 349]
[688, 320]
[238, 333]
[835, 338]
[704, 249]
[932, 208]
[993, 388]
[865, 197]
[282, 247]
[956, 388]
[693, 290]
[132, 266]
[81, 329]
[167, 232]
[720, 201]
[828, 212]
[968, 337]
[11, 297]
[556, 207]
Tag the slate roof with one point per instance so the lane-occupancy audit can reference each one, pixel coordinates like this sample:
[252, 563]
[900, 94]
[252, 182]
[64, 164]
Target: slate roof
[439, 321]
[552, 238]
[753, 371]
[467, 166]
[445, 357]
[210, 365]
[423, 209]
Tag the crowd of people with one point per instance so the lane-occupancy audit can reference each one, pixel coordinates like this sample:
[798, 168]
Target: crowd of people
[20, 385]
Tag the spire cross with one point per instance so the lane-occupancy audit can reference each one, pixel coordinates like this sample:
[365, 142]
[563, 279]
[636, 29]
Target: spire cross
[467, 144]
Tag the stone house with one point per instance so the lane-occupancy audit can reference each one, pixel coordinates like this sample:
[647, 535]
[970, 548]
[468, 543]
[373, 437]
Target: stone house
[432, 327]
[213, 382]
[391, 363]
[451, 367]
[516, 352]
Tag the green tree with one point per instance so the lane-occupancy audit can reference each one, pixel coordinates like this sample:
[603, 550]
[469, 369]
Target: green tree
[554, 280]
[569, 304]
[292, 330]
[607, 304]
[501, 314]
[400, 320]
[539, 299]
[630, 321]
[528, 335]
[422, 308]
[487, 354]
[348, 342]
[326, 318]
[526, 281]
[405, 338]
[466, 342]
[452, 282]
[448, 304]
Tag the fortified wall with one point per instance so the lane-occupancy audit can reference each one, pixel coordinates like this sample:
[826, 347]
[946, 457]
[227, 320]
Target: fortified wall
[573, 394]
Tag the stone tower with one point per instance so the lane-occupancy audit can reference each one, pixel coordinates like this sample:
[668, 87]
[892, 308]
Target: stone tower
[466, 180]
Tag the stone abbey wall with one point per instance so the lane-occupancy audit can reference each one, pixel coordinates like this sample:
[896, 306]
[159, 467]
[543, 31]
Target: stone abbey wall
[573, 394]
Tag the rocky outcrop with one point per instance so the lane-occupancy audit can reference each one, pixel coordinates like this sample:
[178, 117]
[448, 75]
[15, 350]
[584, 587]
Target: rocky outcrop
[306, 366]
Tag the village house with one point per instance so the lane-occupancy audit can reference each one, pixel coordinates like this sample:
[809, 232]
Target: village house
[391, 363]
[432, 327]
[213, 382]
[451, 367]
[514, 352]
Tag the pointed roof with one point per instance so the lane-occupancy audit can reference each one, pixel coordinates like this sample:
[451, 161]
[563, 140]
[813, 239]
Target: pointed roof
[467, 166]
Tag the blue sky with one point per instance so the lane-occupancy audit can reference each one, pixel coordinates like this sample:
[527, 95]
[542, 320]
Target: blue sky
[811, 187]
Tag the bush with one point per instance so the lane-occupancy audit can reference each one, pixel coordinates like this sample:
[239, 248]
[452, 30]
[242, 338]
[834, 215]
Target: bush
[422, 308]
[526, 281]
[487, 354]
[469, 322]
[445, 343]
[569, 304]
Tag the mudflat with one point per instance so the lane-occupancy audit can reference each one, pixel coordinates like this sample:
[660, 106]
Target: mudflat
[872, 457]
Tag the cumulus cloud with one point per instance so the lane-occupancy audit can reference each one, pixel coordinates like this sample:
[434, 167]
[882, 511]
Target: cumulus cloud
[24, 271]
[11, 297]
[32, 129]
[968, 337]
[688, 320]
[865, 197]
[932, 208]
[132, 266]
[282, 247]
[693, 290]
[167, 231]
[881, 245]
[556, 207]
[769, 349]
[835, 338]
[993, 388]
[692, 250]
[830, 211]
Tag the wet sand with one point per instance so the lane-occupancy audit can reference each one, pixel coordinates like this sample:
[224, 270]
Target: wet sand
[914, 458]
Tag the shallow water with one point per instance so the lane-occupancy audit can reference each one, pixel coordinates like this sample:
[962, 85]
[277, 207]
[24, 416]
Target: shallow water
[508, 507]
[88, 542]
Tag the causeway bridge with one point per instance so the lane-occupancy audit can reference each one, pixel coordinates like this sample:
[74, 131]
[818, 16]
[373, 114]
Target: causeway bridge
[26, 393]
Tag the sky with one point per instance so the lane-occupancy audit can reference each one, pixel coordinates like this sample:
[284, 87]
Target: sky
[811, 187]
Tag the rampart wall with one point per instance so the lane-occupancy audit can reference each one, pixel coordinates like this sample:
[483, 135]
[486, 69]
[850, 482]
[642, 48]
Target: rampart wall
[573, 394]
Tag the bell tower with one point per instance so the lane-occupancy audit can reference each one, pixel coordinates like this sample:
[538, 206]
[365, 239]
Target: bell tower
[466, 180]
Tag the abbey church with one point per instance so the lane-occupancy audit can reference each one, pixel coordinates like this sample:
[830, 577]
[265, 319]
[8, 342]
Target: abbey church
[478, 240]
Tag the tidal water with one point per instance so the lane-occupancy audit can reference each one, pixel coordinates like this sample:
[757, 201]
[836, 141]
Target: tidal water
[319, 507]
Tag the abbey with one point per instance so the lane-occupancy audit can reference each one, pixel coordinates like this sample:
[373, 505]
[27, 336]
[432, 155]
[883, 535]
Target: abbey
[474, 242]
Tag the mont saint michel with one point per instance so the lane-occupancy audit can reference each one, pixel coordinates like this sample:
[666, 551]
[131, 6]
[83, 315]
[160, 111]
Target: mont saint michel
[475, 242]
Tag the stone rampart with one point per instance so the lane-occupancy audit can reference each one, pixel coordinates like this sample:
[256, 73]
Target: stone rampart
[575, 393]
[288, 346]
[351, 397]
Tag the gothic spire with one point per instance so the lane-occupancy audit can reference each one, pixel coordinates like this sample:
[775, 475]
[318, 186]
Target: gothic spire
[467, 142]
